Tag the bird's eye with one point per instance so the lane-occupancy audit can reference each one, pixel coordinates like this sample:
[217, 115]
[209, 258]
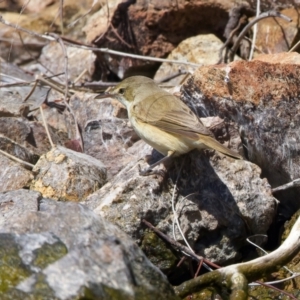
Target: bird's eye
[121, 91]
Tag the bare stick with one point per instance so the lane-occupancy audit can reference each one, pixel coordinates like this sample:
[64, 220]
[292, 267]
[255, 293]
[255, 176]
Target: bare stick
[242, 20]
[104, 50]
[84, 15]
[17, 159]
[294, 183]
[254, 31]
[264, 15]
[31, 91]
[179, 246]
[294, 47]
[61, 12]
[46, 127]
[77, 132]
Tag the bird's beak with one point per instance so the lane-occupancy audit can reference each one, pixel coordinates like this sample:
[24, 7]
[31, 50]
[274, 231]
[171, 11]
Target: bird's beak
[104, 95]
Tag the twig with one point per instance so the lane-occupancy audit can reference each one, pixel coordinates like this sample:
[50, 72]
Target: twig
[31, 91]
[264, 15]
[104, 50]
[179, 246]
[84, 15]
[254, 31]
[46, 127]
[79, 76]
[294, 183]
[294, 47]
[172, 76]
[63, 48]
[17, 159]
[242, 21]
[61, 12]
[78, 136]
[277, 289]
[32, 57]
[53, 84]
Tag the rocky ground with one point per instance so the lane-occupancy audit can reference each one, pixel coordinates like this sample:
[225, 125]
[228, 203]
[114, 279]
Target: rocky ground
[72, 201]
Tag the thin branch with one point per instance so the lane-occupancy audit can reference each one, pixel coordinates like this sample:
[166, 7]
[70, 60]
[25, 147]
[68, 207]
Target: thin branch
[84, 15]
[61, 13]
[17, 159]
[262, 16]
[254, 31]
[53, 84]
[78, 136]
[294, 183]
[294, 47]
[46, 127]
[104, 50]
[242, 21]
[29, 53]
[31, 91]
[179, 246]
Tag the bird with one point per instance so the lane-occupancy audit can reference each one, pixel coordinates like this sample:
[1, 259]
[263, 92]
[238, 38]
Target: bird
[163, 121]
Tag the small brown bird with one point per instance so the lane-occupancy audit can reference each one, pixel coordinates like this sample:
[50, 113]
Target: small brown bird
[164, 121]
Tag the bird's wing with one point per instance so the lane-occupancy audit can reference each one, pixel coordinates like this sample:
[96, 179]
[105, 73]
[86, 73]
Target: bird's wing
[169, 114]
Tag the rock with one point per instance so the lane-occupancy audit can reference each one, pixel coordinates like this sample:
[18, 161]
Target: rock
[201, 49]
[105, 133]
[13, 175]
[30, 134]
[12, 98]
[38, 139]
[94, 258]
[275, 35]
[262, 98]
[11, 104]
[14, 204]
[17, 129]
[64, 174]
[15, 52]
[23, 255]
[17, 150]
[150, 29]
[219, 201]
[79, 60]
[75, 15]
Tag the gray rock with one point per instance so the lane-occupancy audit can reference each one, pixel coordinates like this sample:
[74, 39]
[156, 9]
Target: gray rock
[64, 174]
[105, 133]
[12, 98]
[220, 202]
[101, 263]
[16, 203]
[78, 61]
[17, 150]
[13, 175]
[30, 135]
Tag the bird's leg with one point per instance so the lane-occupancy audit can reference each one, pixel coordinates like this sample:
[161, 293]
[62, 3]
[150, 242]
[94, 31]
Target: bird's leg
[149, 171]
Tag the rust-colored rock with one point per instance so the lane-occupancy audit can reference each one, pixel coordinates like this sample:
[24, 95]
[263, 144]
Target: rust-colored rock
[152, 28]
[253, 81]
[263, 99]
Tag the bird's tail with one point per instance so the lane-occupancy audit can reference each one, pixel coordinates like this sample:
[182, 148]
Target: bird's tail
[210, 142]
